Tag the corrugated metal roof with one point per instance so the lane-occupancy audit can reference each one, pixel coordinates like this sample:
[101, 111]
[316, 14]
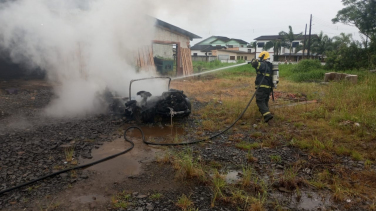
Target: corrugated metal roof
[206, 48]
[240, 52]
[176, 29]
[274, 37]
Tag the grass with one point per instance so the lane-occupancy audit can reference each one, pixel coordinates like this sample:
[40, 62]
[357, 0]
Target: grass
[340, 124]
[246, 178]
[188, 167]
[156, 196]
[199, 66]
[218, 185]
[184, 202]
[247, 146]
[121, 200]
[69, 152]
[290, 179]
[250, 157]
[275, 158]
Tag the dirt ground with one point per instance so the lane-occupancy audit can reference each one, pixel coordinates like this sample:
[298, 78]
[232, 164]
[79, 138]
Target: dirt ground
[32, 145]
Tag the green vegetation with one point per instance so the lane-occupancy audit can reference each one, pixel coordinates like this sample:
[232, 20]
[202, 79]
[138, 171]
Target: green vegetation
[121, 200]
[305, 70]
[187, 166]
[156, 196]
[199, 66]
[184, 202]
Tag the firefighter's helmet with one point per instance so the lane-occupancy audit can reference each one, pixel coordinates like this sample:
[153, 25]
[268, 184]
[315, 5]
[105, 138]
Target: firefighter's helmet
[264, 55]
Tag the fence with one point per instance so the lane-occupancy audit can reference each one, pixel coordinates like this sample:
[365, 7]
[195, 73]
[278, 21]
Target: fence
[203, 58]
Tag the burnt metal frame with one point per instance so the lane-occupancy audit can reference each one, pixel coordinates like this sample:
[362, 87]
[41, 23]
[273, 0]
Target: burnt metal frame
[130, 83]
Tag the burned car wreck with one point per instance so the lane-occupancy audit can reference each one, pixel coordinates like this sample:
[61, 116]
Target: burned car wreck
[149, 108]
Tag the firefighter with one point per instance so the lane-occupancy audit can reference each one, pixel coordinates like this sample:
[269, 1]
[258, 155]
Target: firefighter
[264, 79]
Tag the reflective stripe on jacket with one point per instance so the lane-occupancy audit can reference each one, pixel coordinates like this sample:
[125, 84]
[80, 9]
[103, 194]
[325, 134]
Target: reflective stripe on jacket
[264, 68]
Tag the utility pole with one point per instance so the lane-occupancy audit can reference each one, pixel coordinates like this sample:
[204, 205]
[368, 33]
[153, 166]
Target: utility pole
[309, 37]
[305, 35]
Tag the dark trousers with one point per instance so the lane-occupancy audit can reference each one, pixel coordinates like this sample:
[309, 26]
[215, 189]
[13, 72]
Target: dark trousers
[262, 100]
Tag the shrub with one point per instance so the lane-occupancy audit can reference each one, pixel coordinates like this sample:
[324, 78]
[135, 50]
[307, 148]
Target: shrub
[305, 70]
[306, 66]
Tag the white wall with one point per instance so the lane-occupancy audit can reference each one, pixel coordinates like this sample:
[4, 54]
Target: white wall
[166, 35]
[164, 51]
[271, 52]
[199, 53]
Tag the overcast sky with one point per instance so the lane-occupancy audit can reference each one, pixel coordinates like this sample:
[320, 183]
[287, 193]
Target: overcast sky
[248, 19]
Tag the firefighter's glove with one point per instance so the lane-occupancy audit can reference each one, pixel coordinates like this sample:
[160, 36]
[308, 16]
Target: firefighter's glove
[255, 63]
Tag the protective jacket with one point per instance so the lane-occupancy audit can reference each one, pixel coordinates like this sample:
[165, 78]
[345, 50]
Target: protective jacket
[264, 68]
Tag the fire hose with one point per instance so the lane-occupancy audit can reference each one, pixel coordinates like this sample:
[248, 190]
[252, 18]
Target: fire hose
[132, 145]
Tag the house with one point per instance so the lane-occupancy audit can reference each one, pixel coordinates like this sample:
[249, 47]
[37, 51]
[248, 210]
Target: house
[229, 56]
[218, 42]
[169, 42]
[284, 54]
[170, 49]
[204, 50]
[221, 48]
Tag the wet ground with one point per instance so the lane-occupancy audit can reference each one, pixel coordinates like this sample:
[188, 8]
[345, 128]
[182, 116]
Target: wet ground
[96, 191]
[32, 146]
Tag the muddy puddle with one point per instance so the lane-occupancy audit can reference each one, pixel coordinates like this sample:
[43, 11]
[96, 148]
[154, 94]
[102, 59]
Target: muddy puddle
[98, 189]
[124, 165]
[232, 177]
[159, 134]
[129, 164]
[306, 200]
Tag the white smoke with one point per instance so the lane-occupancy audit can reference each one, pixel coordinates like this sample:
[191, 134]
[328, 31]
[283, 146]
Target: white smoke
[84, 45]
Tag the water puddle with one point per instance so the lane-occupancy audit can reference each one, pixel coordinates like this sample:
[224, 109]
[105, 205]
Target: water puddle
[232, 177]
[310, 200]
[306, 200]
[160, 134]
[98, 187]
[123, 166]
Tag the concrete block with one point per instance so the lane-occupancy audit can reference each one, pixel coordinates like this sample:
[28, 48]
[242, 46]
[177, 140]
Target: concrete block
[329, 76]
[352, 78]
[340, 76]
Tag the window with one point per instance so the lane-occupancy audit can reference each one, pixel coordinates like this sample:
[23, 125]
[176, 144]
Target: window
[209, 54]
[238, 57]
[232, 57]
[242, 46]
[241, 58]
[295, 44]
[245, 58]
[230, 46]
[194, 54]
[260, 44]
[250, 50]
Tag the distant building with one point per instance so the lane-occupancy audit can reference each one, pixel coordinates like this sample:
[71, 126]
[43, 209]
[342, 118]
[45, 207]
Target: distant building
[218, 42]
[232, 55]
[285, 52]
[170, 43]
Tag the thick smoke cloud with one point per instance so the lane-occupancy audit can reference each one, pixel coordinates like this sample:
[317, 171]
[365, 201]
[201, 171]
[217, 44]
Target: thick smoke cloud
[85, 46]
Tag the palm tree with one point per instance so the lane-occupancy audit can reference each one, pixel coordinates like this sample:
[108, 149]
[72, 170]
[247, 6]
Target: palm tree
[276, 45]
[342, 40]
[288, 38]
[254, 45]
[322, 44]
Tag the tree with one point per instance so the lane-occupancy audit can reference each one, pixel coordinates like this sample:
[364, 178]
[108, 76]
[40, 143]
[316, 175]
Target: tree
[288, 38]
[359, 13]
[276, 45]
[342, 40]
[322, 44]
[254, 45]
